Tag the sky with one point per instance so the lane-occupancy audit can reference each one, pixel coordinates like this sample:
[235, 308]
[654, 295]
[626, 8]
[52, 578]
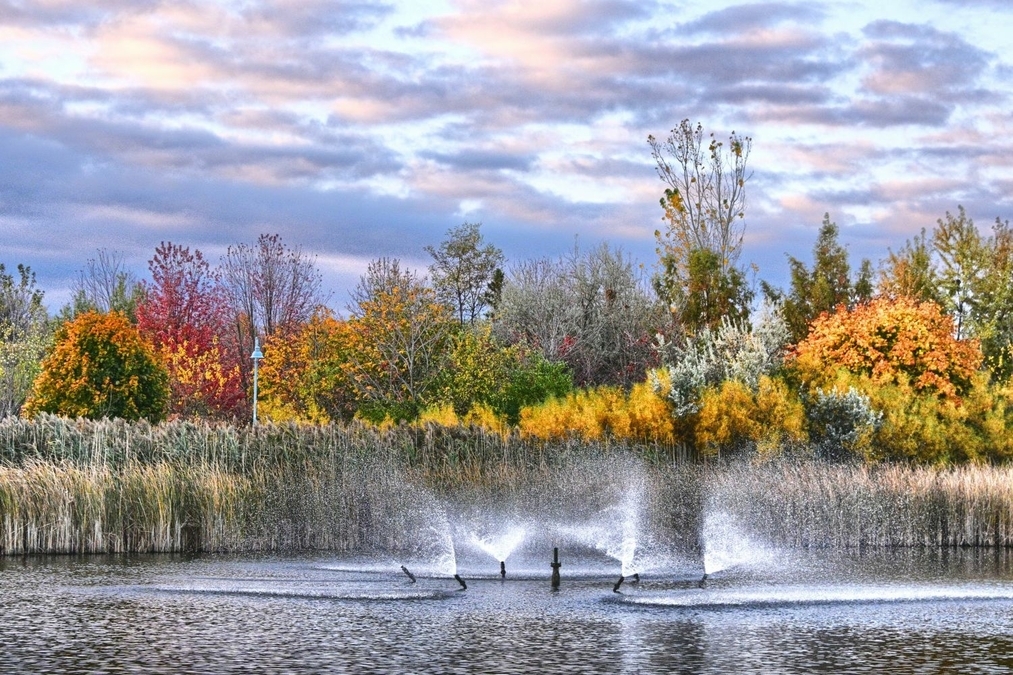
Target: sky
[359, 129]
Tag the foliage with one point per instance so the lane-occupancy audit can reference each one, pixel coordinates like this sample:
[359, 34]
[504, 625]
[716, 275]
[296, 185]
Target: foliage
[731, 352]
[734, 418]
[594, 414]
[824, 288]
[100, 367]
[532, 380]
[712, 294]
[24, 337]
[305, 375]
[184, 314]
[399, 343]
[478, 371]
[590, 310]
[974, 285]
[909, 272]
[463, 270]
[886, 339]
[704, 204]
[841, 423]
[105, 285]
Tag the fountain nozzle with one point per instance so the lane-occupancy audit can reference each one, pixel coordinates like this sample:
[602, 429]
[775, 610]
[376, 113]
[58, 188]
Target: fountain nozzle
[636, 578]
[703, 582]
[410, 575]
[615, 589]
[555, 565]
[464, 586]
[502, 569]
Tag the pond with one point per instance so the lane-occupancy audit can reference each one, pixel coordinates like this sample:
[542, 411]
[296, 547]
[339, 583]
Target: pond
[907, 610]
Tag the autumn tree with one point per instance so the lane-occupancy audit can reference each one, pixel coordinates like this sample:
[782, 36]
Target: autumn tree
[105, 285]
[825, 287]
[482, 372]
[268, 286]
[887, 340]
[704, 204]
[184, 315]
[24, 337]
[591, 310]
[463, 271]
[306, 374]
[909, 272]
[399, 341]
[100, 366]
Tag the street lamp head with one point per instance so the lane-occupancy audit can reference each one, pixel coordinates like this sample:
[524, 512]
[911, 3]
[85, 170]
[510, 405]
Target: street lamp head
[257, 354]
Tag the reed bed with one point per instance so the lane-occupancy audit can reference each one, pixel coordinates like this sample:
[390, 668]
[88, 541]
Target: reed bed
[78, 486]
[826, 505]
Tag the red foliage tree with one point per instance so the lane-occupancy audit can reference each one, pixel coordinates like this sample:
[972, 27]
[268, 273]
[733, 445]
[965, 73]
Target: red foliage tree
[184, 314]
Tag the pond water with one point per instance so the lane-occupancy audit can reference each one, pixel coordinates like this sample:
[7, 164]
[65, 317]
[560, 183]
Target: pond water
[830, 612]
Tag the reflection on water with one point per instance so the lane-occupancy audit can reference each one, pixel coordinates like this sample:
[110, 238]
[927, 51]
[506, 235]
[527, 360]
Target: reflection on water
[913, 611]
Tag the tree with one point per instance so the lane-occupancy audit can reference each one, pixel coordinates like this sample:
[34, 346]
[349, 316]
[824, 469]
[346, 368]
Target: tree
[183, 314]
[909, 272]
[100, 366]
[105, 285]
[306, 374]
[889, 340]
[704, 203]
[824, 288]
[24, 337]
[268, 286]
[463, 271]
[962, 261]
[399, 342]
[713, 294]
[591, 310]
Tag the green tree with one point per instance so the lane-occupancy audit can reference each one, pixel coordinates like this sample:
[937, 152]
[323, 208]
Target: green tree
[463, 271]
[704, 204]
[713, 293]
[963, 259]
[24, 337]
[825, 287]
[100, 366]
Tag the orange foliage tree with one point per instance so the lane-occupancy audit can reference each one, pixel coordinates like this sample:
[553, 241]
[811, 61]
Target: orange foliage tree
[100, 366]
[305, 372]
[889, 341]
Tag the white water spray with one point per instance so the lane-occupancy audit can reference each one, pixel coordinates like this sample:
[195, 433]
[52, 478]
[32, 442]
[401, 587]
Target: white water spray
[726, 545]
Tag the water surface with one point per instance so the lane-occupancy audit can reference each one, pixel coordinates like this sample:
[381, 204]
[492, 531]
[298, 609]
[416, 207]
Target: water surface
[831, 612]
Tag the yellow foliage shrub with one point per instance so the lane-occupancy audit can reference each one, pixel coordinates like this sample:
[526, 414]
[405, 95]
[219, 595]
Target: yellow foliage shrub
[728, 418]
[641, 415]
[780, 414]
[443, 415]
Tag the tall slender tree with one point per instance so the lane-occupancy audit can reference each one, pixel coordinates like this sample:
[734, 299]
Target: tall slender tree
[704, 204]
[463, 271]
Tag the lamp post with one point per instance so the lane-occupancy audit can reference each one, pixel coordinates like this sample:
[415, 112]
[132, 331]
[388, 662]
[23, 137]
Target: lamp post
[257, 355]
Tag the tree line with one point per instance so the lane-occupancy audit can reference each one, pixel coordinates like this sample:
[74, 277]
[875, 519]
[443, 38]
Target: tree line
[910, 359]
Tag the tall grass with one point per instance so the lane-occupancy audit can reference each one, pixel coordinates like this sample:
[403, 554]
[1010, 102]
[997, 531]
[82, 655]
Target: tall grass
[75, 486]
[826, 505]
